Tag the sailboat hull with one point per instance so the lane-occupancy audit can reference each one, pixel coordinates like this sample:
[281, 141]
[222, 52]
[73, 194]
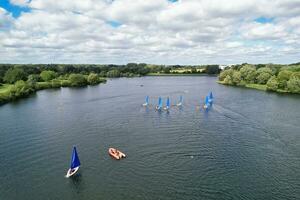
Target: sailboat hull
[72, 172]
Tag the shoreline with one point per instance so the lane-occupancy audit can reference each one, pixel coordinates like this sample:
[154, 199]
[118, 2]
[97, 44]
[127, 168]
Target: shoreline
[257, 87]
[7, 95]
[181, 74]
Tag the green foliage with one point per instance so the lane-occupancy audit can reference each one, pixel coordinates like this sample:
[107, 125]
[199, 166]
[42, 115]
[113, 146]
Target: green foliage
[293, 85]
[263, 75]
[20, 89]
[236, 78]
[267, 77]
[33, 78]
[228, 80]
[212, 69]
[13, 75]
[248, 73]
[77, 80]
[272, 84]
[113, 73]
[283, 78]
[93, 79]
[225, 73]
[48, 75]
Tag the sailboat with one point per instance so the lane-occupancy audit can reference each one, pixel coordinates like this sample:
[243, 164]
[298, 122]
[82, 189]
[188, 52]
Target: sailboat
[146, 101]
[206, 104]
[159, 106]
[211, 98]
[167, 104]
[180, 101]
[75, 163]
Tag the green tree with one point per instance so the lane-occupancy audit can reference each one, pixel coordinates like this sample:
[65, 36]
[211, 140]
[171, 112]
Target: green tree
[20, 89]
[263, 75]
[212, 69]
[236, 78]
[77, 80]
[93, 79]
[48, 75]
[272, 84]
[228, 80]
[293, 85]
[33, 78]
[13, 75]
[248, 73]
[113, 73]
[283, 78]
[225, 73]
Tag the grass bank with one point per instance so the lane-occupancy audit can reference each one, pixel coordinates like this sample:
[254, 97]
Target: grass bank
[255, 86]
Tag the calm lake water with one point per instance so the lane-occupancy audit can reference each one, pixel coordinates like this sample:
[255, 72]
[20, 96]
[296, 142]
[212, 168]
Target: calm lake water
[246, 147]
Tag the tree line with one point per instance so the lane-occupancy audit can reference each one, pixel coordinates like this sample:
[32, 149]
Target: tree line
[20, 80]
[278, 78]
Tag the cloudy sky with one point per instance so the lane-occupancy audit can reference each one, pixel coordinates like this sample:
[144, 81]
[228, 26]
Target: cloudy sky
[151, 31]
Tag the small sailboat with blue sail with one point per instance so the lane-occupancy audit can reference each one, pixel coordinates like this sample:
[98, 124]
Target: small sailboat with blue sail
[146, 101]
[206, 104]
[75, 163]
[159, 106]
[211, 98]
[167, 104]
[180, 101]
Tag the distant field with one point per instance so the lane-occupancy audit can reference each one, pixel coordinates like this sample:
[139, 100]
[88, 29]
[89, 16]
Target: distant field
[185, 70]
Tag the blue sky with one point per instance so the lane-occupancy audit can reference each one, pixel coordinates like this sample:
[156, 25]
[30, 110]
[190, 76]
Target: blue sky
[159, 32]
[13, 9]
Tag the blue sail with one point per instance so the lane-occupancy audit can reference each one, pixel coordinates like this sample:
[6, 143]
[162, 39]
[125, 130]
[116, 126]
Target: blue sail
[168, 103]
[206, 101]
[180, 99]
[159, 103]
[147, 100]
[75, 159]
[211, 95]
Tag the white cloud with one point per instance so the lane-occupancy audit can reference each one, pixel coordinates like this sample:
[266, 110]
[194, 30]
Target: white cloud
[185, 32]
[20, 2]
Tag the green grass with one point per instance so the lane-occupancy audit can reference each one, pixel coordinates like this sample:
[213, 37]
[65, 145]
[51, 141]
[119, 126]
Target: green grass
[4, 89]
[257, 86]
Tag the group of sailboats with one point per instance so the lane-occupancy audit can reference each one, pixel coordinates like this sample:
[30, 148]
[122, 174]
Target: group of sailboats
[159, 106]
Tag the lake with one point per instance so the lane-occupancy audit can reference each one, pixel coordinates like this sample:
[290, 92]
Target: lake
[247, 146]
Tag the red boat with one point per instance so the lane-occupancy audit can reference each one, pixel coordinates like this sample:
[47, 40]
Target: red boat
[115, 153]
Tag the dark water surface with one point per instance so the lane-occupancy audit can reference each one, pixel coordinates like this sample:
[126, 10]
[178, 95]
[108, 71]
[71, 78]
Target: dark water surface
[246, 147]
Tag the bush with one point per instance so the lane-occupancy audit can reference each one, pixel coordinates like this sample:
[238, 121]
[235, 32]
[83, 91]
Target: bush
[272, 84]
[33, 78]
[236, 78]
[113, 73]
[13, 75]
[293, 85]
[93, 79]
[77, 80]
[228, 80]
[48, 75]
[248, 73]
[65, 83]
[20, 89]
[225, 73]
[283, 78]
[263, 75]
[55, 83]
